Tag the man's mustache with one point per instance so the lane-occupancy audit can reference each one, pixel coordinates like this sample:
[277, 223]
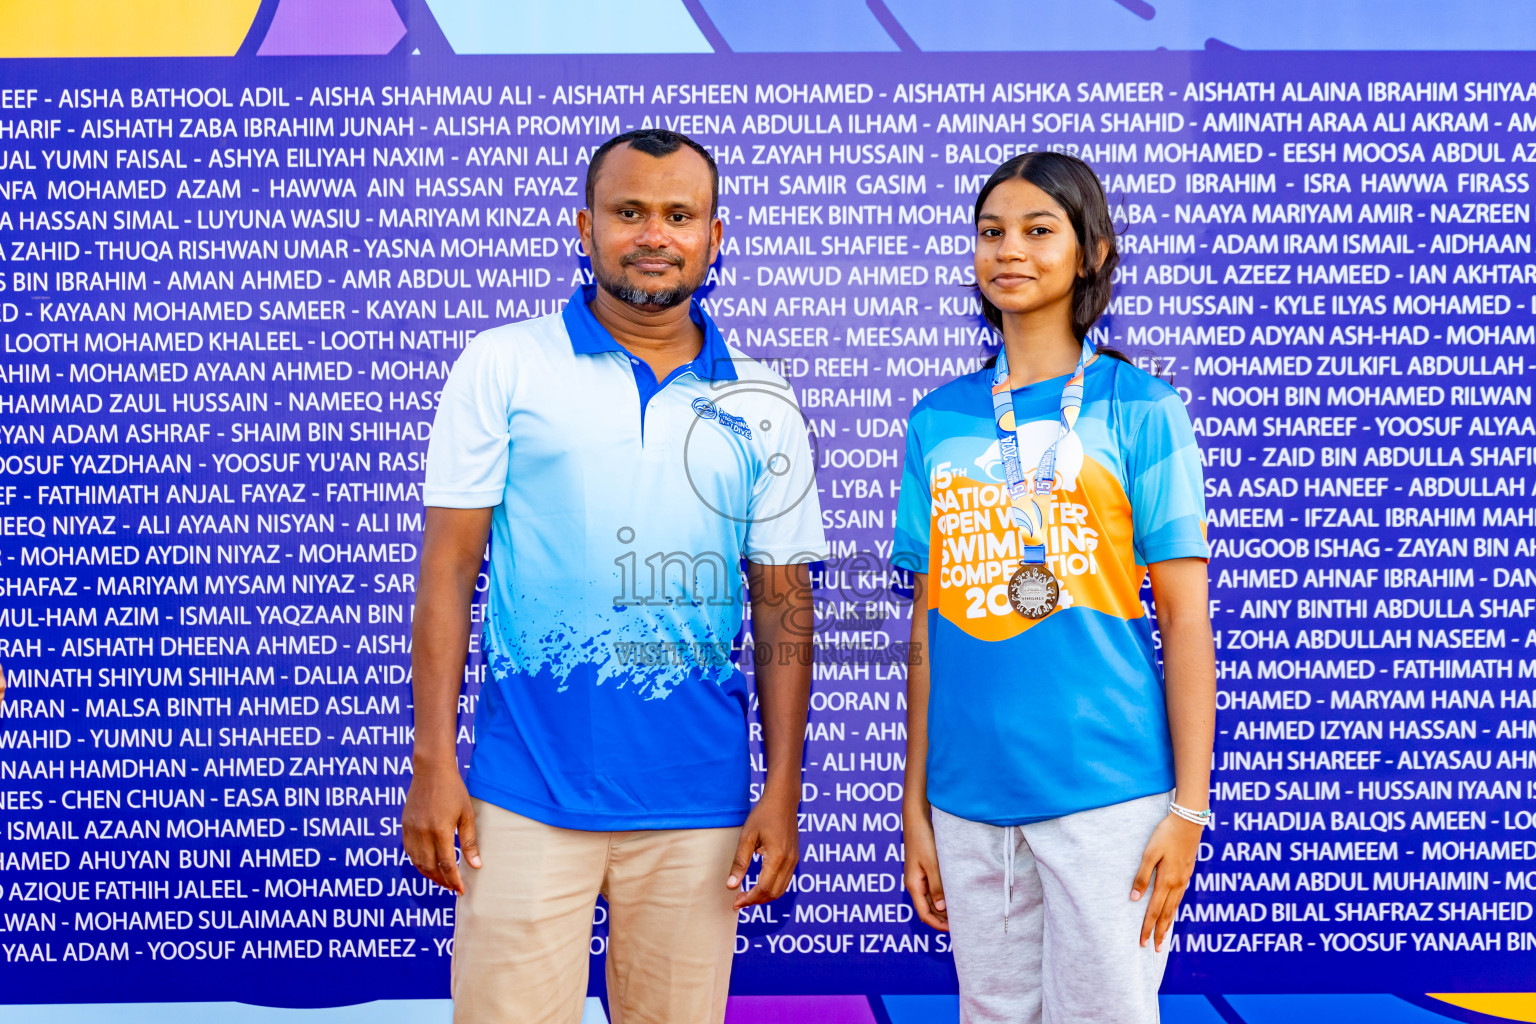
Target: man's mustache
[650, 254]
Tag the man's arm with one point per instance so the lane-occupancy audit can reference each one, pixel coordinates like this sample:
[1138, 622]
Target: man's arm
[783, 618]
[452, 548]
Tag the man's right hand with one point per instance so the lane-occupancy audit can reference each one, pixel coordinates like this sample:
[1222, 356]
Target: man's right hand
[436, 807]
[452, 545]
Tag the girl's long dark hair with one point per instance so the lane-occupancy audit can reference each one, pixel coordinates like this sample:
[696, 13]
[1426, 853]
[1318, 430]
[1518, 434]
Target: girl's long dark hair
[1076, 189]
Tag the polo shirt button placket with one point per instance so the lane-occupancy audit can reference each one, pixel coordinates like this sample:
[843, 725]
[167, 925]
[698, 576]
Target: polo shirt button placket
[653, 438]
[660, 423]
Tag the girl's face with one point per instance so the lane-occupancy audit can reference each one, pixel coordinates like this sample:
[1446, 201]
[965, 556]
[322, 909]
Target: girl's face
[1026, 251]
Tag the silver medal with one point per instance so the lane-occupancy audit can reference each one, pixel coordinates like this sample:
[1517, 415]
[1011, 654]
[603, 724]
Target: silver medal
[1033, 591]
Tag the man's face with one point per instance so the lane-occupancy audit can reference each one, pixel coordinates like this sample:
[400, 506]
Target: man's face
[649, 233]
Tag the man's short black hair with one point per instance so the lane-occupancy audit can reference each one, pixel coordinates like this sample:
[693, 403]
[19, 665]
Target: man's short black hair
[654, 142]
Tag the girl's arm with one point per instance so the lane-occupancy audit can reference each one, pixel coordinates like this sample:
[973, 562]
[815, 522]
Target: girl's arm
[922, 867]
[1179, 588]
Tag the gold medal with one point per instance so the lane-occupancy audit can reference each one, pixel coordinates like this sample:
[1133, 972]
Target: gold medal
[1033, 591]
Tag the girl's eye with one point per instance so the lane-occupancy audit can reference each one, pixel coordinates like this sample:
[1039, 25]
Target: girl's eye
[1039, 230]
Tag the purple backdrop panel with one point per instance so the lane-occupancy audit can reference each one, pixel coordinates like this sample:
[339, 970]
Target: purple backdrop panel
[321, 28]
[799, 1010]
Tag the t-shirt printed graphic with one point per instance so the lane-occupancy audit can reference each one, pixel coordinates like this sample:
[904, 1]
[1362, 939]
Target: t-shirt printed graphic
[1035, 718]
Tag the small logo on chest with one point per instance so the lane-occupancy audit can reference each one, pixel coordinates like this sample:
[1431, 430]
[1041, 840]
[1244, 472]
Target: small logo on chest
[707, 410]
[735, 424]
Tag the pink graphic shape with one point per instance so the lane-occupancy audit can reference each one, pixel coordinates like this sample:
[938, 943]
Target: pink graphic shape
[798, 1010]
[323, 28]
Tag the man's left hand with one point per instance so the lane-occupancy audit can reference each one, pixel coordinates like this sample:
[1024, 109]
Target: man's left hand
[772, 829]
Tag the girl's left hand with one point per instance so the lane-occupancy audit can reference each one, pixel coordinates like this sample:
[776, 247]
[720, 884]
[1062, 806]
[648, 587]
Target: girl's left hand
[1171, 853]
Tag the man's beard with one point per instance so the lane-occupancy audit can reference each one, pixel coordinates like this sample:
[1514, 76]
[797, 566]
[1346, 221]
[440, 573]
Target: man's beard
[639, 295]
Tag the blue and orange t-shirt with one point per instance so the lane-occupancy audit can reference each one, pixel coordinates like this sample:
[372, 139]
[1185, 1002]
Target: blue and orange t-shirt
[1034, 719]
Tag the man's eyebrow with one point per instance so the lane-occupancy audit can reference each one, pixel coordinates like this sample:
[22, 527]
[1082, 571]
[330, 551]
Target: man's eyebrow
[674, 204]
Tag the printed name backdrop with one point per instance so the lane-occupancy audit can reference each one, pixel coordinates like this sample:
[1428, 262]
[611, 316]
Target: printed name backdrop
[231, 289]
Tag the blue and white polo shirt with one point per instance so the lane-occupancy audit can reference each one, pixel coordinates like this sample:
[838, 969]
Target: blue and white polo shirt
[623, 508]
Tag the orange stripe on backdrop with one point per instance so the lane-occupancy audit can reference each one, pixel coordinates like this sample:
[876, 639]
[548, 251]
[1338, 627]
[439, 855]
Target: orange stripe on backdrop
[1508, 1005]
[124, 28]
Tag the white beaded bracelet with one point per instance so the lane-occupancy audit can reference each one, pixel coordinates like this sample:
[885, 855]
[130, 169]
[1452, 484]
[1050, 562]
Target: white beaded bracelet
[1205, 818]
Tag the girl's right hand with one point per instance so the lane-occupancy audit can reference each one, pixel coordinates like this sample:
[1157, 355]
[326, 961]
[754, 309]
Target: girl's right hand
[922, 869]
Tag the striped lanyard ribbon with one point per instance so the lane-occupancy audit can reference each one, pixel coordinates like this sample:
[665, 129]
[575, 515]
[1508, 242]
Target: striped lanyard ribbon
[1027, 513]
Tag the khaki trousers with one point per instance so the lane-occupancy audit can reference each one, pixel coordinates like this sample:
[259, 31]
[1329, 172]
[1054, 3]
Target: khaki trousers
[524, 924]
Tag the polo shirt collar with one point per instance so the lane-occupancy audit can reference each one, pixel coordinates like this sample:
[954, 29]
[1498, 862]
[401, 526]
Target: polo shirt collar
[588, 336]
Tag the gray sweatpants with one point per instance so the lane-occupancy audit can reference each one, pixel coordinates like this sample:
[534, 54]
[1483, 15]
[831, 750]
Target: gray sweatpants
[1070, 952]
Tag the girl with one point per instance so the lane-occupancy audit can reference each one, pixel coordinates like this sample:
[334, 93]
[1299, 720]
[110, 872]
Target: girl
[1042, 741]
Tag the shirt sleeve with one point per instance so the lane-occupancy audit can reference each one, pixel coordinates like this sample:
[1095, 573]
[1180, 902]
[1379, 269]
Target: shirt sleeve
[467, 455]
[1167, 486]
[785, 510]
[914, 507]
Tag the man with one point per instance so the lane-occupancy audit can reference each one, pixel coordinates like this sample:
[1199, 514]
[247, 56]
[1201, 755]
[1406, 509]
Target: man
[622, 458]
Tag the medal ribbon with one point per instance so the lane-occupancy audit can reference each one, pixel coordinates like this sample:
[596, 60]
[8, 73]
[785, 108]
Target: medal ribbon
[1027, 513]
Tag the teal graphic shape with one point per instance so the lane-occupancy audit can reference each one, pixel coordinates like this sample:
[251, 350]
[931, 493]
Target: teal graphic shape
[571, 26]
